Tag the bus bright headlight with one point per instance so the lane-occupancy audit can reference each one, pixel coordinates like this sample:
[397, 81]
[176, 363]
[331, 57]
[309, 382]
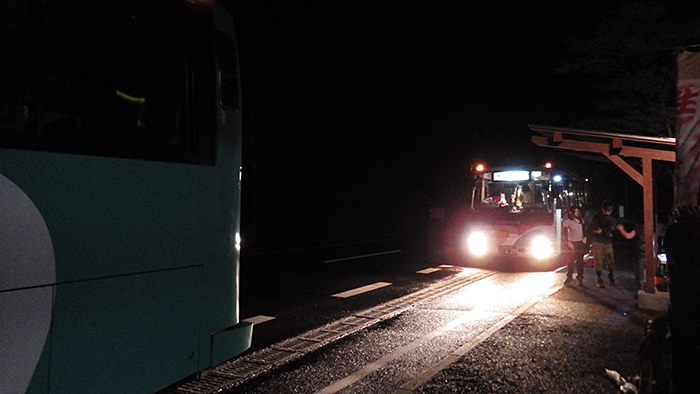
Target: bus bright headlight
[477, 243]
[541, 247]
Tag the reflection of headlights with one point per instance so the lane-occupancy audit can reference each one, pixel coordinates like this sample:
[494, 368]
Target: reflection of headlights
[477, 243]
[541, 247]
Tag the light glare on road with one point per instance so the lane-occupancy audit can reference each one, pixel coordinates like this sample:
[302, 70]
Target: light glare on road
[489, 294]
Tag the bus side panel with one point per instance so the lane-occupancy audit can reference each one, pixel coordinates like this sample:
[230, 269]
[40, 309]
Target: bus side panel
[112, 217]
[128, 334]
[25, 321]
[145, 290]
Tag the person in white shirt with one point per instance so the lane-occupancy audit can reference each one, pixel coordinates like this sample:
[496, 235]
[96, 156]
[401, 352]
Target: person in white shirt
[576, 244]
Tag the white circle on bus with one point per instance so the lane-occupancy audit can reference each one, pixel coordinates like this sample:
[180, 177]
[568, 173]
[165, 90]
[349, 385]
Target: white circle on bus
[27, 275]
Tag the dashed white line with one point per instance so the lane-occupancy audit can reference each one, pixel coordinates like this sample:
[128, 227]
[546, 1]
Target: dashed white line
[259, 319]
[428, 271]
[363, 289]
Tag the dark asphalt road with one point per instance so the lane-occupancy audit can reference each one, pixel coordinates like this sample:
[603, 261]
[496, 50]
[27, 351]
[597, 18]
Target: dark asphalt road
[296, 287]
[562, 344]
[560, 340]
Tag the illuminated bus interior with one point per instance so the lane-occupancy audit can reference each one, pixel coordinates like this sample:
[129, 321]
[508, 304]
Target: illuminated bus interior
[522, 191]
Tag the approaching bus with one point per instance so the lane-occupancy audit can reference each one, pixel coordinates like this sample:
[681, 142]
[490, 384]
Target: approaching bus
[516, 212]
[120, 157]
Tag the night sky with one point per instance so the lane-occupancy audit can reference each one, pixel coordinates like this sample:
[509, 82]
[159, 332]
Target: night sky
[360, 116]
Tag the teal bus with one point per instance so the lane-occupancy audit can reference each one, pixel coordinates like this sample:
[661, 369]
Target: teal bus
[120, 171]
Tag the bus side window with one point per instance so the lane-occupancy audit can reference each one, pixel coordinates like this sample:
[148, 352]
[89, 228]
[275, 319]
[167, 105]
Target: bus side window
[115, 84]
[129, 98]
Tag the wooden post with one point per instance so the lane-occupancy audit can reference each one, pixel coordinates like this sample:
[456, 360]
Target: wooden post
[649, 233]
[614, 150]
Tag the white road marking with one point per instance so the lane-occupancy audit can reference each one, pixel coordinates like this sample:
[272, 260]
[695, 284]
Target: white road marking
[453, 357]
[363, 289]
[259, 319]
[408, 387]
[361, 256]
[428, 271]
[379, 364]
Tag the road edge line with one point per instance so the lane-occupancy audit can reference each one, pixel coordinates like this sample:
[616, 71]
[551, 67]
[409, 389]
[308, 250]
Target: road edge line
[456, 355]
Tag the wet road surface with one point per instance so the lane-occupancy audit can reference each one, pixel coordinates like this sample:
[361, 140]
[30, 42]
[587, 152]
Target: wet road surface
[514, 332]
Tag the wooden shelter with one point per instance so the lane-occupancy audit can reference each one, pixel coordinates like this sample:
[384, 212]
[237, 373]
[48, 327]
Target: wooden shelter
[616, 147]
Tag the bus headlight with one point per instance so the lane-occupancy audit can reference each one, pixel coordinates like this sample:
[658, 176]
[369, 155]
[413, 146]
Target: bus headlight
[541, 247]
[477, 243]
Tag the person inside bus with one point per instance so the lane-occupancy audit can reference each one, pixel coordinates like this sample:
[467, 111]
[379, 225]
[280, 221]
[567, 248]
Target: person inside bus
[576, 243]
[520, 196]
[602, 227]
[498, 199]
[502, 202]
[517, 198]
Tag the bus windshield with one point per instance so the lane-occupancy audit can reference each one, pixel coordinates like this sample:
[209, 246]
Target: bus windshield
[516, 195]
[525, 191]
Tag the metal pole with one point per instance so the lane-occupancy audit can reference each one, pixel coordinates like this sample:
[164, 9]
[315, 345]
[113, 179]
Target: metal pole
[557, 231]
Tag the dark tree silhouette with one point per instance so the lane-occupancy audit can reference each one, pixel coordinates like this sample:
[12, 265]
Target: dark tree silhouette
[632, 59]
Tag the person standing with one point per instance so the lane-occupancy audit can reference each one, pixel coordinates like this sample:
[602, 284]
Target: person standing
[602, 226]
[632, 249]
[576, 243]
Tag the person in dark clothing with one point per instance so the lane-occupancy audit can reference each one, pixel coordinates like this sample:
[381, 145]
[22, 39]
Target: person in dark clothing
[602, 227]
[630, 248]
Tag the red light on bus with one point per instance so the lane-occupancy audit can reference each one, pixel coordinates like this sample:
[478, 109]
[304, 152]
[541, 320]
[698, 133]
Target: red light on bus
[548, 165]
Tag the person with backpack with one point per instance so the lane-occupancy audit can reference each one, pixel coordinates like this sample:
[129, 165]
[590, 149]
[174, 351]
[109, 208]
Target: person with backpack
[601, 232]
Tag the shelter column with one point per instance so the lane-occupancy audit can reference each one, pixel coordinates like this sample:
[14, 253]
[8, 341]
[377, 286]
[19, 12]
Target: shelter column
[649, 234]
